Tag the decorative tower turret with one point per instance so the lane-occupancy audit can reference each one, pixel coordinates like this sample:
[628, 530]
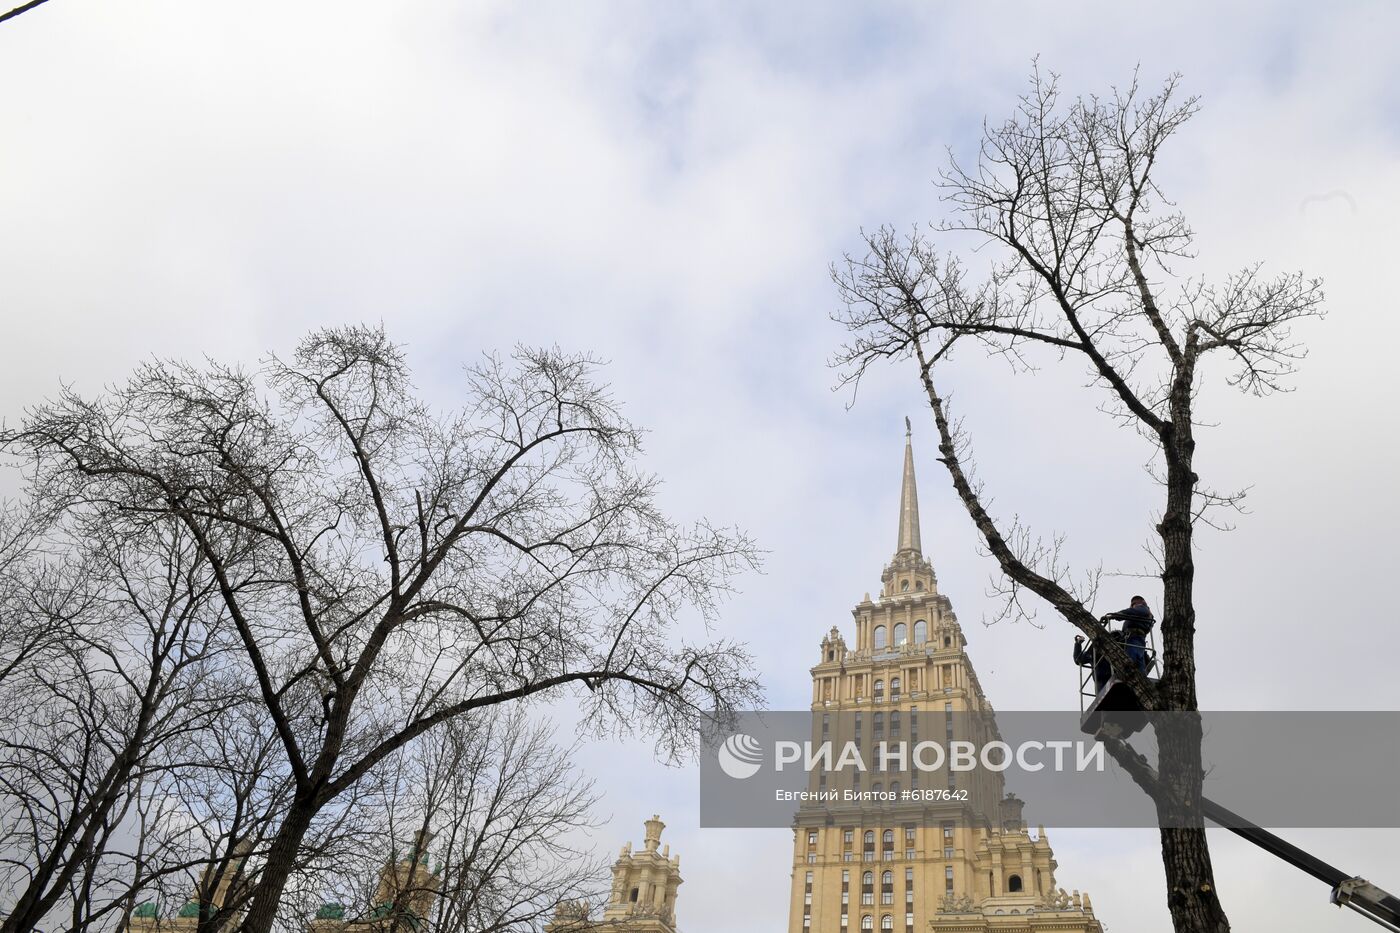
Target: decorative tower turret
[643, 897]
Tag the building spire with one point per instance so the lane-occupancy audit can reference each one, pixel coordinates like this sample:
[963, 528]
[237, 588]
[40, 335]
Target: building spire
[909, 499]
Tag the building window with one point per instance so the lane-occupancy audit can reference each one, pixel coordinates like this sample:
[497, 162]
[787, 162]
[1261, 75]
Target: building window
[901, 633]
[635, 892]
[811, 839]
[1013, 884]
[879, 691]
[894, 715]
[848, 836]
[920, 632]
[894, 688]
[887, 922]
[879, 637]
[879, 719]
[867, 922]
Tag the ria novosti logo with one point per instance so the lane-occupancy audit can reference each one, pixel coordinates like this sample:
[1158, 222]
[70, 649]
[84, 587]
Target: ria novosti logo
[740, 756]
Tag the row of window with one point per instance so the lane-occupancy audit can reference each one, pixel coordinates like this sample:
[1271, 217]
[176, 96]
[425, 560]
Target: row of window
[887, 841]
[868, 923]
[880, 635]
[848, 836]
[858, 719]
[901, 634]
[1014, 885]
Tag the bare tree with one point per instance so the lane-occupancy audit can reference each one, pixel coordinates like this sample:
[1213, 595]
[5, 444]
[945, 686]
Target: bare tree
[385, 568]
[508, 817]
[26, 633]
[118, 618]
[207, 820]
[482, 833]
[1086, 256]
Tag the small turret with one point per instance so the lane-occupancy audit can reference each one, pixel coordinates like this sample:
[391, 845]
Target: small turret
[643, 897]
[833, 647]
[653, 836]
[1011, 808]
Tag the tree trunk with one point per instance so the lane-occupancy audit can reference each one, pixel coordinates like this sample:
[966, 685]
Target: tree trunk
[1191, 893]
[281, 859]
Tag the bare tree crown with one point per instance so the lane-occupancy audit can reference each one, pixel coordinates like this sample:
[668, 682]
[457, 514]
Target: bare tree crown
[1089, 260]
[378, 568]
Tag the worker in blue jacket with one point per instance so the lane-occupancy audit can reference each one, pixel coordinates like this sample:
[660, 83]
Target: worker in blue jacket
[1137, 623]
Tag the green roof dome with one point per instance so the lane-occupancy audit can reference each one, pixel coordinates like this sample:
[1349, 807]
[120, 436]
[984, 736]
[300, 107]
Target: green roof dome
[330, 910]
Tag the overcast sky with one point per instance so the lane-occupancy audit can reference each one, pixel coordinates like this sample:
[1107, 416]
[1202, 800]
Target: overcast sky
[665, 185]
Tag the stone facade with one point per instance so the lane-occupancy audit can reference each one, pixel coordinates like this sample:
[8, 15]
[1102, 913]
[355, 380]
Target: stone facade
[643, 895]
[954, 866]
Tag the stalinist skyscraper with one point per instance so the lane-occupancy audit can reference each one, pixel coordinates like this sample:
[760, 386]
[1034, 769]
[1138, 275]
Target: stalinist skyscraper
[942, 865]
